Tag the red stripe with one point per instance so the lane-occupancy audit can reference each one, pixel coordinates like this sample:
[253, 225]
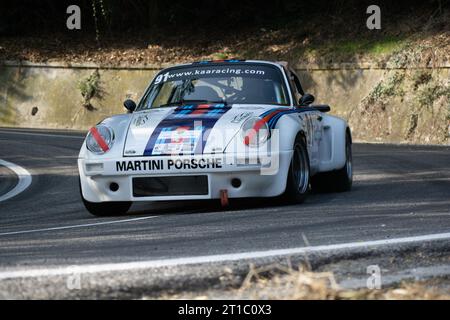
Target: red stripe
[101, 142]
[259, 124]
[199, 111]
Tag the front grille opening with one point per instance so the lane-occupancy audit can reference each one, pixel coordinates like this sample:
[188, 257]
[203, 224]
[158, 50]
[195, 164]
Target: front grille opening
[170, 186]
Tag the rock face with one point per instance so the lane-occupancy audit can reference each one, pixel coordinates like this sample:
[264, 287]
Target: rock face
[396, 105]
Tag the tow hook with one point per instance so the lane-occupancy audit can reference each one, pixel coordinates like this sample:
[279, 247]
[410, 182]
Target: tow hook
[224, 198]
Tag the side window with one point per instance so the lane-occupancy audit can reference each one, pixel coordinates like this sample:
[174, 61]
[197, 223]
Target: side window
[295, 86]
[291, 85]
[297, 83]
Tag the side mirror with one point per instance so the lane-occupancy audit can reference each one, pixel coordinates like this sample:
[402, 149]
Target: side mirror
[130, 105]
[306, 100]
[321, 107]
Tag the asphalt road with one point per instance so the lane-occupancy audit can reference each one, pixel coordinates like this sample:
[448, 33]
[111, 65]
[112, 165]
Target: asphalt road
[399, 191]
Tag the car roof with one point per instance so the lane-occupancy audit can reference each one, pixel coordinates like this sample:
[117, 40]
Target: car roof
[231, 61]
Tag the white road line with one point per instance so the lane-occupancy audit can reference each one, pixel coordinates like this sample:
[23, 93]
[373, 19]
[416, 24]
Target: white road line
[139, 265]
[42, 134]
[76, 226]
[24, 180]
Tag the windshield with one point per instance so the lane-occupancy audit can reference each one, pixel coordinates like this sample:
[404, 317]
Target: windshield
[229, 84]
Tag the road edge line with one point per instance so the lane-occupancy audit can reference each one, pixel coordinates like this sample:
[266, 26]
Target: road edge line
[23, 176]
[219, 258]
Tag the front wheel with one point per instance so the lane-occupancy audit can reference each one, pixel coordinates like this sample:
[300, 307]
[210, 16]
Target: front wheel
[297, 185]
[105, 209]
[339, 180]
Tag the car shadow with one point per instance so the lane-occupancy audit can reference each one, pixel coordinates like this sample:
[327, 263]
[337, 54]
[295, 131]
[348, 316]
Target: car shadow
[214, 205]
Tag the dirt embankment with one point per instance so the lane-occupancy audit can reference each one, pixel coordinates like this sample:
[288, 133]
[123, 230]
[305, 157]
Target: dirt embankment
[336, 35]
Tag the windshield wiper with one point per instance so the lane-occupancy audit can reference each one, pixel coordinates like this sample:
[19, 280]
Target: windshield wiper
[205, 101]
[182, 102]
[176, 103]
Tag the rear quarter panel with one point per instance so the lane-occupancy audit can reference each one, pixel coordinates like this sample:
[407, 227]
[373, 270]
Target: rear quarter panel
[332, 144]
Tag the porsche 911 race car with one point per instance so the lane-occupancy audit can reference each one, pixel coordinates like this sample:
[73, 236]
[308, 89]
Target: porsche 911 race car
[215, 130]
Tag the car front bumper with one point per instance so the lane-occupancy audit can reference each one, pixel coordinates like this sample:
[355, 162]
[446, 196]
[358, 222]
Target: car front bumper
[259, 176]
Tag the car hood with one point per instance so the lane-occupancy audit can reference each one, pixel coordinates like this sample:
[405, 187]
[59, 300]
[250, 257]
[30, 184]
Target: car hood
[187, 129]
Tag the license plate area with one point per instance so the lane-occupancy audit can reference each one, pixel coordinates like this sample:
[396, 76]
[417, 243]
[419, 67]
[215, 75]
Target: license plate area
[170, 186]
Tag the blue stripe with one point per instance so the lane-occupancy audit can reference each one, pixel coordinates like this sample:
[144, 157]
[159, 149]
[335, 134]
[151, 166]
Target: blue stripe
[183, 117]
[273, 120]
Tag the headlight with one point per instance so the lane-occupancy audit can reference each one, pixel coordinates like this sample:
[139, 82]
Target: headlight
[255, 132]
[100, 139]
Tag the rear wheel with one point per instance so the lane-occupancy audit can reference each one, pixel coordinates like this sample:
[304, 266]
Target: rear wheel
[105, 209]
[339, 180]
[297, 185]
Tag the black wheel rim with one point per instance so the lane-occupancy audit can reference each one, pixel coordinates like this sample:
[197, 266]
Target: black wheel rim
[348, 163]
[300, 169]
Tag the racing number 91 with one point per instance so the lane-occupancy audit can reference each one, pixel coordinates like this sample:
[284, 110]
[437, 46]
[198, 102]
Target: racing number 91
[247, 309]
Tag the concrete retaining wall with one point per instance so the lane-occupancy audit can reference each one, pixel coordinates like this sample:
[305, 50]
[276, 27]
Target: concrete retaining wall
[47, 96]
[54, 91]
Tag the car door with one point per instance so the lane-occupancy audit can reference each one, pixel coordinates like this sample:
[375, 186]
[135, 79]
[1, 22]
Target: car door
[313, 123]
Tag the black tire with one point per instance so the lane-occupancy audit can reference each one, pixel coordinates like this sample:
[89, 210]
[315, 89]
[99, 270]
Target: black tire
[106, 209]
[339, 180]
[297, 185]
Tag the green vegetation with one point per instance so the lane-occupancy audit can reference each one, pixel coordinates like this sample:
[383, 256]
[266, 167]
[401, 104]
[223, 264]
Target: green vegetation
[90, 88]
[380, 46]
[94, 5]
[350, 49]
[432, 91]
[220, 56]
[387, 87]
[421, 77]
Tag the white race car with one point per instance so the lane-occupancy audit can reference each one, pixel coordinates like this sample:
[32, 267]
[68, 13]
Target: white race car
[215, 130]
